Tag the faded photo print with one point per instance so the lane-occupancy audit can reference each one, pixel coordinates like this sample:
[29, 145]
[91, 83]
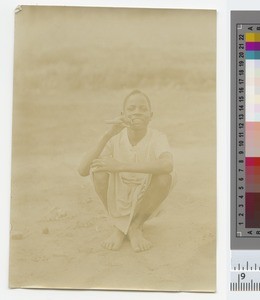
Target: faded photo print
[114, 149]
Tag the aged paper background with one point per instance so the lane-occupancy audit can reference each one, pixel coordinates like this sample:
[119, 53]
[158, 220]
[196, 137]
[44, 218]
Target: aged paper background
[73, 67]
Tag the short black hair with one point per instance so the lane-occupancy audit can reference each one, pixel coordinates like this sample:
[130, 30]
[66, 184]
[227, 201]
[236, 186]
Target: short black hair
[137, 92]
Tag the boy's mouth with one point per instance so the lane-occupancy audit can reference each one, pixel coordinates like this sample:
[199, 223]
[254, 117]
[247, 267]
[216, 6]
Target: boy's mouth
[137, 120]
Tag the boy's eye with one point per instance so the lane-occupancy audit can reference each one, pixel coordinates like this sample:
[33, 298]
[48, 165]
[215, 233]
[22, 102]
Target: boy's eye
[143, 108]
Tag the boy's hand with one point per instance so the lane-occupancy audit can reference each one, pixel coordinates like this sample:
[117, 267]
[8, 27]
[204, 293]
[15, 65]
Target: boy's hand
[118, 124]
[107, 164]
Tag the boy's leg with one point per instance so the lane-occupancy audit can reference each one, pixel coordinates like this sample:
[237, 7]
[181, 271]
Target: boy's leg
[100, 180]
[157, 191]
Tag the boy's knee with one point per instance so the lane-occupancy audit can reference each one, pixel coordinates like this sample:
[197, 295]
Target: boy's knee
[163, 181]
[100, 178]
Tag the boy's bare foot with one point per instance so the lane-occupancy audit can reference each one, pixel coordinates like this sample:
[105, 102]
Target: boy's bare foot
[115, 241]
[137, 240]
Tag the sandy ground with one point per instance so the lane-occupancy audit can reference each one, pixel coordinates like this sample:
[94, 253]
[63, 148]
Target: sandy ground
[58, 223]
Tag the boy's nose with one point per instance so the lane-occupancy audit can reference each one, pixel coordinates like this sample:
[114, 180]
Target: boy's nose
[137, 113]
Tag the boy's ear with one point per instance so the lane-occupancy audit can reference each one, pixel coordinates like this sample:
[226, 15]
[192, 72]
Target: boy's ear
[151, 115]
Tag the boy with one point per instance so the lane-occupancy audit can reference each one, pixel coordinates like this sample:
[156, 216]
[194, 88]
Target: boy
[131, 169]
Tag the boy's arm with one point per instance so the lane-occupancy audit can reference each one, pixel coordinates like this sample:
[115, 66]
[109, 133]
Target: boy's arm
[118, 124]
[94, 153]
[163, 165]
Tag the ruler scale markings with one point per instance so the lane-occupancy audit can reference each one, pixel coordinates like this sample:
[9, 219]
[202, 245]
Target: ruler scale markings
[249, 278]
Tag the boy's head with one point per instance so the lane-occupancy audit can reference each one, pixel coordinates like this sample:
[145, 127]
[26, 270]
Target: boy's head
[137, 108]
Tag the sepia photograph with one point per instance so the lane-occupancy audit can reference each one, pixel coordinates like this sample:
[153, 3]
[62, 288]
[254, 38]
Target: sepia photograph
[114, 149]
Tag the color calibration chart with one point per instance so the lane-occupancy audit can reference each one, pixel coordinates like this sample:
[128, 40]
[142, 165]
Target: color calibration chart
[245, 151]
[252, 129]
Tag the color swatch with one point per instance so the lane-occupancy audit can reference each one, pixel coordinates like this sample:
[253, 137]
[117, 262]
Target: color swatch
[252, 142]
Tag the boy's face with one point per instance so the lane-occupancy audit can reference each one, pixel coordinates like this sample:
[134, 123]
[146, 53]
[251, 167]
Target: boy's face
[138, 111]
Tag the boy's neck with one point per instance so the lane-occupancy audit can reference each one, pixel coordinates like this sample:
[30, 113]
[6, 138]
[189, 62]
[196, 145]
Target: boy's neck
[135, 136]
